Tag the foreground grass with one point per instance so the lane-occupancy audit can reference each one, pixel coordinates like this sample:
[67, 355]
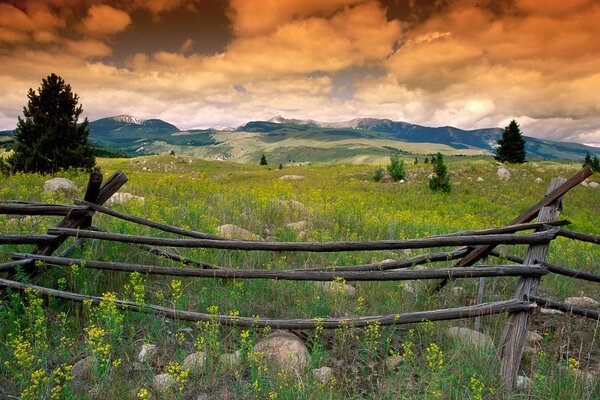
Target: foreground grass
[41, 341]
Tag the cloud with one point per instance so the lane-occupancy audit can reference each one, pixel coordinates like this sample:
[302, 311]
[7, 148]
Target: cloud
[186, 46]
[105, 20]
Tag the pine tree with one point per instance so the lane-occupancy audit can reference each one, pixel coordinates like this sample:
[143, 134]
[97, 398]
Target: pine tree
[440, 181]
[48, 138]
[396, 167]
[263, 160]
[592, 162]
[511, 147]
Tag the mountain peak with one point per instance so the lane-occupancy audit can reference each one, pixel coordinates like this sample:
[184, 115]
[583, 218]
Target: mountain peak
[129, 119]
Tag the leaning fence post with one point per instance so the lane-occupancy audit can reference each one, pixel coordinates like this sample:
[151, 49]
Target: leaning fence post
[515, 329]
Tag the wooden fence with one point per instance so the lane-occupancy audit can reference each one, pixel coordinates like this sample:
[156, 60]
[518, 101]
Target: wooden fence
[475, 246]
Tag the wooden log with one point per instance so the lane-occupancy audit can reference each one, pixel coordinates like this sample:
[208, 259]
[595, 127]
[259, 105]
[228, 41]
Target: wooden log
[479, 252]
[569, 309]
[467, 272]
[176, 257]
[512, 342]
[43, 209]
[512, 305]
[510, 228]
[557, 269]
[583, 237]
[27, 239]
[532, 238]
[10, 266]
[152, 224]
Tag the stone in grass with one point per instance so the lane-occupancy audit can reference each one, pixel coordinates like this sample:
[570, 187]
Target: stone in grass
[593, 185]
[195, 362]
[470, 336]
[82, 369]
[523, 382]
[534, 337]
[393, 362]
[337, 288]
[147, 353]
[539, 180]
[283, 351]
[230, 361]
[123, 197]
[60, 185]
[163, 383]
[297, 226]
[503, 173]
[322, 374]
[235, 232]
[582, 301]
[292, 177]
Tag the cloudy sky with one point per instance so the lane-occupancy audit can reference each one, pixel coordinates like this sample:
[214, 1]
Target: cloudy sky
[202, 63]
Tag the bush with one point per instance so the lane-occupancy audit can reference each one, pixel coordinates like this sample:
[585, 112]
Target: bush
[378, 174]
[440, 181]
[263, 160]
[592, 162]
[396, 167]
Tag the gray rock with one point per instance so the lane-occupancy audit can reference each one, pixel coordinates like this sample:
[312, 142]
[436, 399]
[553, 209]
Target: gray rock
[503, 173]
[292, 207]
[582, 301]
[123, 197]
[147, 353]
[470, 336]
[322, 374]
[235, 232]
[386, 177]
[539, 180]
[194, 361]
[283, 351]
[523, 382]
[230, 361]
[163, 382]
[593, 185]
[297, 226]
[393, 362]
[292, 177]
[82, 369]
[60, 184]
[534, 337]
[337, 288]
[541, 170]
[479, 179]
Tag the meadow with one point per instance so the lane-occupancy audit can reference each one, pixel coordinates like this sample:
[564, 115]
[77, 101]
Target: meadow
[42, 339]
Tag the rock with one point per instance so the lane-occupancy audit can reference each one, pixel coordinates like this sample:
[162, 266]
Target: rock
[534, 337]
[582, 302]
[431, 175]
[60, 185]
[386, 177]
[163, 382]
[470, 336]
[123, 197]
[593, 184]
[457, 290]
[284, 351]
[539, 180]
[503, 173]
[195, 361]
[235, 232]
[297, 226]
[322, 374]
[231, 360]
[550, 311]
[337, 288]
[401, 181]
[541, 170]
[292, 177]
[409, 287]
[479, 179]
[393, 362]
[82, 369]
[147, 353]
[523, 382]
[295, 208]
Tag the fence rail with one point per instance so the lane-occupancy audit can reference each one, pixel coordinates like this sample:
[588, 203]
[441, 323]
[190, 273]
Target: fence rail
[475, 245]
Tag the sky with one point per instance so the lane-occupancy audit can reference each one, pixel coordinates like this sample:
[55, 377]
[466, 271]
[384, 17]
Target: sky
[220, 63]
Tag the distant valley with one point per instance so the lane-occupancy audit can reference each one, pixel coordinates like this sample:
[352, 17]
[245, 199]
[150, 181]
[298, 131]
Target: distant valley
[362, 140]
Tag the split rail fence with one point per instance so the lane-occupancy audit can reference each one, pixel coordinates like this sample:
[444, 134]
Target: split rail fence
[475, 245]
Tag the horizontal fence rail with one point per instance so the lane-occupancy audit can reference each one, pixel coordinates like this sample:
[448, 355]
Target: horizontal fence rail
[567, 308]
[513, 305]
[296, 275]
[438, 241]
[43, 209]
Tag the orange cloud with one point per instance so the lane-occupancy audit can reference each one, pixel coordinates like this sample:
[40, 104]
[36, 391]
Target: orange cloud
[105, 20]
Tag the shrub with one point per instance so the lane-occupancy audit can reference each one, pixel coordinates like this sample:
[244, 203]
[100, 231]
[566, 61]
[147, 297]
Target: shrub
[440, 181]
[396, 167]
[378, 174]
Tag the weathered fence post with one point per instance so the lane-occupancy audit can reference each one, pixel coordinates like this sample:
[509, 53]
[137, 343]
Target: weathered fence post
[515, 329]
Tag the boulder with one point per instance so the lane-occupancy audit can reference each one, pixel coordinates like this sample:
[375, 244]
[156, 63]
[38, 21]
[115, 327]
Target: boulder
[297, 226]
[147, 353]
[293, 208]
[582, 301]
[123, 197]
[292, 177]
[322, 374]
[534, 337]
[60, 185]
[283, 351]
[593, 185]
[386, 177]
[479, 179]
[163, 382]
[337, 288]
[231, 360]
[538, 180]
[503, 173]
[541, 170]
[235, 232]
[523, 382]
[470, 336]
[393, 362]
[195, 362]
[82, 369]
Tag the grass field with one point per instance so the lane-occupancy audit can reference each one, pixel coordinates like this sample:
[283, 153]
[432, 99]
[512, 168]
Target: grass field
[40, 340]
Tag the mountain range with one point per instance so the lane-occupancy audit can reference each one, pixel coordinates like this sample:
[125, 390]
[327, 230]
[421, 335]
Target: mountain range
[292, 140]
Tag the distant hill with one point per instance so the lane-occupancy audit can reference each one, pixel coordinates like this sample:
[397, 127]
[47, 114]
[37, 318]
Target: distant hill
[361, 140]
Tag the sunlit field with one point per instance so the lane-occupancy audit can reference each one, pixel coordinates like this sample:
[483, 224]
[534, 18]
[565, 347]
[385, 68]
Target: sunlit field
[41, 339]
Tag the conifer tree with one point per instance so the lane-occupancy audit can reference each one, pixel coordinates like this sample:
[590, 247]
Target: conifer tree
[48, 138]
[263, 160]
[440, 181]
[511, 147]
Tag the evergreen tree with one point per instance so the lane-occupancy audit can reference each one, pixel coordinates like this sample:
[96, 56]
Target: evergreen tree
[592, 162]
[263, 160]
[396, 167]
[440, 181]
[48, 138]
[511, 147]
